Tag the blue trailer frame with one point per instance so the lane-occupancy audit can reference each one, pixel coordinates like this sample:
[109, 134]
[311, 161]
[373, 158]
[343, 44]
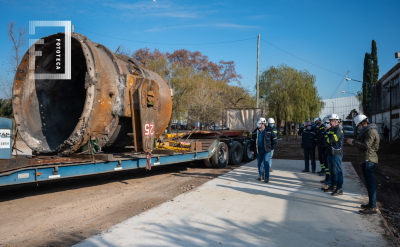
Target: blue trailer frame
[62, 171]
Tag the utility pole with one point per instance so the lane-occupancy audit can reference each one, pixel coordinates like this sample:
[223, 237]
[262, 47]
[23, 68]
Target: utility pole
[258, 62]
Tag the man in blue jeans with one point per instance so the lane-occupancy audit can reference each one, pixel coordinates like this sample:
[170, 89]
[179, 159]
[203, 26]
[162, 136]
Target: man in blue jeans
[270, 141]
[257, 147]
[334, 141]
[368, 144]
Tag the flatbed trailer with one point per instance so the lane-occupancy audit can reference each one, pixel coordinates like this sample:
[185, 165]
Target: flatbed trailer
[24, 170]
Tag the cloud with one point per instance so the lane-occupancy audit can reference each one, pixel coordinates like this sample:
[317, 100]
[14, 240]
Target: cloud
[158, 9]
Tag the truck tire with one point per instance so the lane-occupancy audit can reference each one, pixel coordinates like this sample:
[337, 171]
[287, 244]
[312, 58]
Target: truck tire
[247, 156]
[208, 163]
[220, 157]
[235, 154]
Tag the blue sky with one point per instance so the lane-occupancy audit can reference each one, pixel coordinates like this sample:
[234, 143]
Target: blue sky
[331, 34]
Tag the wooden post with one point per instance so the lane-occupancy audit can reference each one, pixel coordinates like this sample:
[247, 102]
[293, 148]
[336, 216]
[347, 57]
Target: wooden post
[258, 60]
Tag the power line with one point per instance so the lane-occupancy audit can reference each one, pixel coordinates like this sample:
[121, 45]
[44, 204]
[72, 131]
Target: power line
[157, 43]
[302, 58]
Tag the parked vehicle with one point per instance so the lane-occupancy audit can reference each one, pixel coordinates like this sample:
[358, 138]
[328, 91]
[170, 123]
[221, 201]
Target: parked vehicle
[348, 131]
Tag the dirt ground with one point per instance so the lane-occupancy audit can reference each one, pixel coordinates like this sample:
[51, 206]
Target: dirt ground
[387, 175]
[63, 213]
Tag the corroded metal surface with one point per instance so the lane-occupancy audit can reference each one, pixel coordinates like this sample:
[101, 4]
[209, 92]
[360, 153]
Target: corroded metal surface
[61, 116]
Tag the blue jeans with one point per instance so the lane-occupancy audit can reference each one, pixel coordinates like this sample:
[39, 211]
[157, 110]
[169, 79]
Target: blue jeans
[270, 159]
[261, 161]
[309, 152]
[267, 164]
[337, 173]
[368, 172]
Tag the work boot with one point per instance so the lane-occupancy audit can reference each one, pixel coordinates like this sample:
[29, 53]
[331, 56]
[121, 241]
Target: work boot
[323, 181]
[313, 171]
[322, 171]
[337, 193]
[365, 206]
[330, 189]
[305, 170]
[260, 178]
[270, 170]
[266, 180]
[325, 187]
[368, 211]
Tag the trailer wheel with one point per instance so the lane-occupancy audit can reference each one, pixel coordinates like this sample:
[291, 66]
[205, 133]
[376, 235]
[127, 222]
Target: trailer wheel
[220, 157]
[247, 156]
[235, 154]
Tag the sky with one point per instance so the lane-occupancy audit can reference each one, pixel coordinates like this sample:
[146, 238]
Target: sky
[332, 36]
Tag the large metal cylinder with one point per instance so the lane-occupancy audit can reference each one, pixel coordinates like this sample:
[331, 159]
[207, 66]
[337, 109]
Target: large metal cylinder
[61, 116]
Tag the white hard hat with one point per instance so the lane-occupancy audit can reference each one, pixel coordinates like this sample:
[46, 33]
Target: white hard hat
[333, 116]
[326, 120]
[316, 119]
[359, 118]
[261, 120]
[271, 120]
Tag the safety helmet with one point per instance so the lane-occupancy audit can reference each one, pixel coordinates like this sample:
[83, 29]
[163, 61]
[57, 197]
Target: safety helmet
[302, 125]
[326, 120]
[271, 120]
[316, 119]
[261, 120]
[359, 118]
[333, 116]
[308, 123]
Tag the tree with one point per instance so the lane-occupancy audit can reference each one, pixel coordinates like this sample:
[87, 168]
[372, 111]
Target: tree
[17, 37]
[370, 75]
[291, 95]
[366, 89]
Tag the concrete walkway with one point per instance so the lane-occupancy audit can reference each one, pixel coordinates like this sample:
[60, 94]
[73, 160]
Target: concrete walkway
[237, 210]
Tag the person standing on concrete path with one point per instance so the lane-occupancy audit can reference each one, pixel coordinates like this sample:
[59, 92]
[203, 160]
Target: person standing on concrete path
[270, 141]
[271, 124]
[308, 142]
[368, 144]
[334, 140]
[328, 168]
[257, 147]
[320, 143]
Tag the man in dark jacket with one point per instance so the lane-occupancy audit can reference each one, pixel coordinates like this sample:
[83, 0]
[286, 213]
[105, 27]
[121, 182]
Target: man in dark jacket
[308, 142]
[320, 143]
[368, 144]
[270, 141]
[301, 129]
[386, 132]
[257, 147]
[334, 141]
[271, 124]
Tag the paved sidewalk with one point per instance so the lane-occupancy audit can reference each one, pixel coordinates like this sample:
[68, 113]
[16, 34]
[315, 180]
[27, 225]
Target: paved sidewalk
[237, 210]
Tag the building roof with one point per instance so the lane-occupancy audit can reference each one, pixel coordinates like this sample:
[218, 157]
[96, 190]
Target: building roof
[389, 73]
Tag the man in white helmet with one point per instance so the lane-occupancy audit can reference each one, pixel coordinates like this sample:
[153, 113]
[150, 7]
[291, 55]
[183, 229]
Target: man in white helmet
[271, 139]
[257, 147]
[334, 140]
[368, 144]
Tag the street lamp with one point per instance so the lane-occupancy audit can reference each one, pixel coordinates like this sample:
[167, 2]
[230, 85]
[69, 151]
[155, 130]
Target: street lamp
[348, 79]
[349, 93]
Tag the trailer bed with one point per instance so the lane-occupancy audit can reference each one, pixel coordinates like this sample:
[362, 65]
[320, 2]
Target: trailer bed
[30, 170]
